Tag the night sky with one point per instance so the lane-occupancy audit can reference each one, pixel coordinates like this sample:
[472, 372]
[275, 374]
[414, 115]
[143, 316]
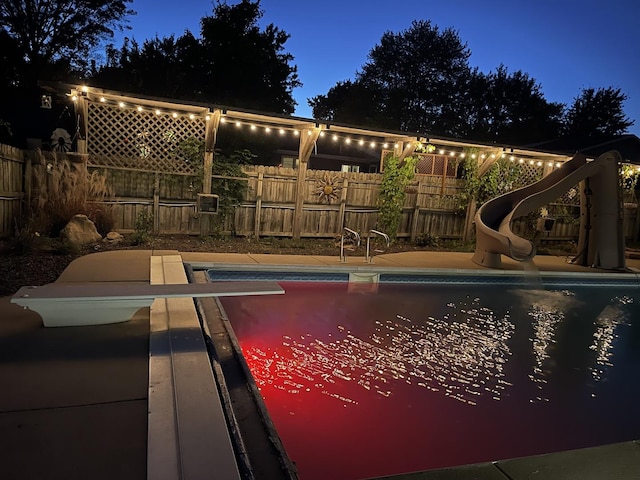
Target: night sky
[565, 45]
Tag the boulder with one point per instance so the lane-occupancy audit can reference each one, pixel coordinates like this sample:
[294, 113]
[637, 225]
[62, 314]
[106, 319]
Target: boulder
[114, 238]
[80, 231]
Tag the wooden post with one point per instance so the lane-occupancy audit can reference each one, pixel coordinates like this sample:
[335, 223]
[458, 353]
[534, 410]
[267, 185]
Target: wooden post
[256, 225]
[308, 139]
[28, 182]
[636, 225]
[469, 219]
[156, 204]
[83, 124]
[444, 176]
[343, 206]
[408, 150]
[416, 214]
[210, 137]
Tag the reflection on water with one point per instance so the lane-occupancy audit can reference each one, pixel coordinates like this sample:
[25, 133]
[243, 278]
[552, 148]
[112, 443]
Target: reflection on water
[547, 370]
[461, 355]
[547, 310]
[607, 324]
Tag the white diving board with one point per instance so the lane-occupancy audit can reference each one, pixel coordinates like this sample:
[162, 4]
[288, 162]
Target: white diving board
[81, 304]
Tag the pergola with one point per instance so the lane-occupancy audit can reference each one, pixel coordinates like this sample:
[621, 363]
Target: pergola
[145, 124]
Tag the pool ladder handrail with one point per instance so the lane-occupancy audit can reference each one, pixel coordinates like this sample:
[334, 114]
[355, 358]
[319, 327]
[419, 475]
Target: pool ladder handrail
[354, 237]
[369, 257]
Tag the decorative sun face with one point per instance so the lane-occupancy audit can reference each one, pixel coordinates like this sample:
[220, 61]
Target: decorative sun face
[327, 188]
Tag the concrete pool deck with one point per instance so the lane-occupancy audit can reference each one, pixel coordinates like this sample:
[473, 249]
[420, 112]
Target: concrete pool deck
[73, 401]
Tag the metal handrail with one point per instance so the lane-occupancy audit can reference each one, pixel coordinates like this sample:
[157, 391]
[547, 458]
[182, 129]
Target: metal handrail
[355, 236]
[369, 258]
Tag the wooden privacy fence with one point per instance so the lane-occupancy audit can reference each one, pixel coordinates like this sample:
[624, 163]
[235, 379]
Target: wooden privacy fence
[270, 202]
[431, 206]
[12, 166]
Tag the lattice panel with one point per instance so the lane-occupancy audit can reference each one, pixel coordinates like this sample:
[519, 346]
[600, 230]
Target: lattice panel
[126, 138]
[528, 174]
[433, 164]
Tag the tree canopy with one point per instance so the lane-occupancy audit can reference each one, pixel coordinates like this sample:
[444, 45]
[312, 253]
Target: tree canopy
[233, 62]
[411, 79]
[510, 108]
[420, 80]
[50, 33]
[596, 113]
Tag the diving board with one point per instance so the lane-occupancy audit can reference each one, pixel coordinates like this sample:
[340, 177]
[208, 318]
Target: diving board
[81, 304]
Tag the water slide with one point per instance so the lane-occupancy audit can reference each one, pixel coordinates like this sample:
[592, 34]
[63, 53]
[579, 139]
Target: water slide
[601, 242]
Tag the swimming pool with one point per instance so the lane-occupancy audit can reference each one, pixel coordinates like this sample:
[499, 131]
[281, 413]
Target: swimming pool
[421, 376]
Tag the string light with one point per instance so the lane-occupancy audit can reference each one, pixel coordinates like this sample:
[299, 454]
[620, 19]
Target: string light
[361, 140]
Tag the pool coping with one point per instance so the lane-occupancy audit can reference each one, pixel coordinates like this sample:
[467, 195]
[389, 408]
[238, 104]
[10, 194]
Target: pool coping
[390, 274]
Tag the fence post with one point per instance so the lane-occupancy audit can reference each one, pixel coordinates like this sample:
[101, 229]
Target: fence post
[210, 137]
[343, 206]
[256, 226]
[468, 221]
[308, 139]
[28, 182]
[156, 204]
[444, 176]
[416, 214]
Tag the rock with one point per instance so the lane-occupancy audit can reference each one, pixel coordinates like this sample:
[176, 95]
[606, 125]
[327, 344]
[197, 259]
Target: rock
[114, 238]
[80, 231]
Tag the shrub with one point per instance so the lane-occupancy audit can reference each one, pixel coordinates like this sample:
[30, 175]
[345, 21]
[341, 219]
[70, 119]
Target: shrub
[143, 228]
[62, 189]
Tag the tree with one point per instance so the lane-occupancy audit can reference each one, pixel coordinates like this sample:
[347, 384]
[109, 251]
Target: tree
[417, 75]
[49, 33]
[510, 108]
[232, 63]
[597, 113]
[351, 102]
[47, 40]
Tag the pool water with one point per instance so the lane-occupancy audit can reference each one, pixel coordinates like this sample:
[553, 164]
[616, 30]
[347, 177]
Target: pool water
[415, 377]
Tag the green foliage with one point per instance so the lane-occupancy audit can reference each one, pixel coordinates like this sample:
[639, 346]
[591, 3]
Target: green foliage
[231, 191]
[395, 178]
[630, 176]
[143, 227]
[502, 177]
[192, 151]
[427, 240]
